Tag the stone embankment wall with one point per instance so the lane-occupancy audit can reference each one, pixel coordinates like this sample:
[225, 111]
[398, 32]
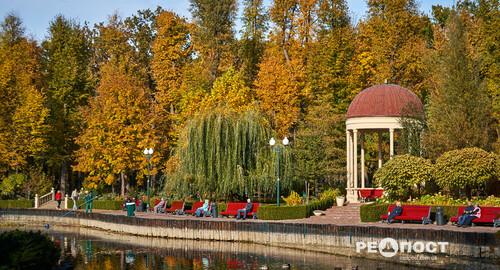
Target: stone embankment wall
[326, 238]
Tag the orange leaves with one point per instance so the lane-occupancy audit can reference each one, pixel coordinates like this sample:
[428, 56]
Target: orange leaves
[279, 88]
[117, 127]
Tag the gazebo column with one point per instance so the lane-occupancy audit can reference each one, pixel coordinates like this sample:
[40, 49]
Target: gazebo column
[379, 149]
[391, 138]
[348, 158]
[355, 157]
[362, 141]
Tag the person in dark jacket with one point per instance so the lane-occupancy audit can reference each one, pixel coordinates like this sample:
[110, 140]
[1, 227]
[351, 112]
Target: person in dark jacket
[397, 211]
[467, 211]
[467, 221]
[242, 213]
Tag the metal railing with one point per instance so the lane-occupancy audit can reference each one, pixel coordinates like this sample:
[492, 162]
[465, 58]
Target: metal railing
[39, 201]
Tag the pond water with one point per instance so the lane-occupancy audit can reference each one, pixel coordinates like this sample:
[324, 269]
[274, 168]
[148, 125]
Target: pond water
[84, 248]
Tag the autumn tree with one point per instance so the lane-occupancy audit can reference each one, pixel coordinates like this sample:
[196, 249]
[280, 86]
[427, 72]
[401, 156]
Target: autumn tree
[391, 46]
[23, 121]
[213, 34]
[229, 93]
[67, 53]
[117, 126]
[142, 28]
[459, 109]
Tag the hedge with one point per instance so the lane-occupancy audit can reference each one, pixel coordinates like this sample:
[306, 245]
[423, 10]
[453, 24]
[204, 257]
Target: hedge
[16, 203]
[273, 212]
[319, 205]
[372, 212]
[99, 204]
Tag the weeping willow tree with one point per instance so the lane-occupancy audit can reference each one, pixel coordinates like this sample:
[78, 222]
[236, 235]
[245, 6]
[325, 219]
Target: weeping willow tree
[227, 154]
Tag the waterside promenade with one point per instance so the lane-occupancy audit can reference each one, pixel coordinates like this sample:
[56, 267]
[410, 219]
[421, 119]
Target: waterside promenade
[481, 244]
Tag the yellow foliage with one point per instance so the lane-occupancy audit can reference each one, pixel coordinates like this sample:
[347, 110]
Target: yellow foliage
[293, 199]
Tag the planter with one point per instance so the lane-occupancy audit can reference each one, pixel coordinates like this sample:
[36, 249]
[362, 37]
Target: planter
[340, 200]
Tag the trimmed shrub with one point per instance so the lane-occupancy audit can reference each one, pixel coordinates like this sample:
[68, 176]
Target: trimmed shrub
[372, 212]
[17, 203]
[465, 170]
[404, 176]
[99, 204]
[273, 212]
[319, 205]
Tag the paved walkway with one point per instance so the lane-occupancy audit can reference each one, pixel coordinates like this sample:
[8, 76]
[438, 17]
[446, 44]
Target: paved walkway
[346, 215]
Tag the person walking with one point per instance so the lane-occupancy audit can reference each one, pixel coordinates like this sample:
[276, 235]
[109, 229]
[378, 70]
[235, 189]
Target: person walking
[58, 199]
[75, 196]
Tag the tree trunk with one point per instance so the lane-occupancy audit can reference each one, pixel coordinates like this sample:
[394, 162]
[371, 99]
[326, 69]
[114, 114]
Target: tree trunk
[64, 177]
[122, 178]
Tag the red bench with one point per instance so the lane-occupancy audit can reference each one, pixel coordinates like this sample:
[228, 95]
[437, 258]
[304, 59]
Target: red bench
[370, 193]
[488, 215]
[420, 213]
[233, 207]
[195, 206]
[176, 205]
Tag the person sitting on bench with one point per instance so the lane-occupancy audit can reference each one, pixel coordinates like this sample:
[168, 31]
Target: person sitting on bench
[160, 207]
[202, 210]
[242, 213]
[397, 211]
[467, 221]
[467, 211]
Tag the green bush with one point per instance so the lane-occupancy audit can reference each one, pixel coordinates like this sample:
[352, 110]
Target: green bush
[404, 176]
[466, 170]
[319, 205]
[330, 194]
[16, 203]
[273, 212]
[27, 250]
[372, 212]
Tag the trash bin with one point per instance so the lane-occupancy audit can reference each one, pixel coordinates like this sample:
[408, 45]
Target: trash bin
[213, 210]
[130, 209]
[439, 216]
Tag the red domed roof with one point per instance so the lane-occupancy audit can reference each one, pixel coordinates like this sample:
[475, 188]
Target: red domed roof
[384, 100]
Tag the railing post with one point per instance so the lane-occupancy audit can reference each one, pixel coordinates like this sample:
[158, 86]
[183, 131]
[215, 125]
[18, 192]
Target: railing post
[66, 201]
[53, 194]
[37, 203]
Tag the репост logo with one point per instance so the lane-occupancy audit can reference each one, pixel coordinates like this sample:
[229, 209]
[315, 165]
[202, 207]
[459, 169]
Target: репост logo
[389, 247]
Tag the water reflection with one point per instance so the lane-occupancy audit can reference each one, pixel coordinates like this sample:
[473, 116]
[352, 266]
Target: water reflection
[84, 248]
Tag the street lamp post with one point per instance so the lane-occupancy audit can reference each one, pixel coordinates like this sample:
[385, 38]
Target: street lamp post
[148, 153]
[277, 149]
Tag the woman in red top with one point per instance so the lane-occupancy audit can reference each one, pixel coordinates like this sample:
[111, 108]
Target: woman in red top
[58, 199]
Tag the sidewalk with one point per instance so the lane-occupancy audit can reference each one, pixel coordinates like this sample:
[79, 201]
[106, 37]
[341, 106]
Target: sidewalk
[329, 218]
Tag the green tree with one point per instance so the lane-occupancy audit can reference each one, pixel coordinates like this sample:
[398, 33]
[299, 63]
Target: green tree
[252, 42]
[213, 34]
[67, 53]
[466, 171]
[459, 109]
[404, 176]
[225, 154]
[318, 148]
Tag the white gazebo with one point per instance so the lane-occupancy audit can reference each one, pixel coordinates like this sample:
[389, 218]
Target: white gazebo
[376, 109]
